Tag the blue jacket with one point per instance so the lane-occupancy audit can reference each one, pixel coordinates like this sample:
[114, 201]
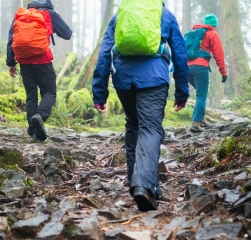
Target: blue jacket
[58, 24]
[143, 72]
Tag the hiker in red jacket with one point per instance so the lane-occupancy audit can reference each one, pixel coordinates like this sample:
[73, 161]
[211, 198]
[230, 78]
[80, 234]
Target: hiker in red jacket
[199, 70]
[37, 71]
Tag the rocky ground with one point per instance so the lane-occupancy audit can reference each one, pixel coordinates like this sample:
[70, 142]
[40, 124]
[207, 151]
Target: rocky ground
[73, 186]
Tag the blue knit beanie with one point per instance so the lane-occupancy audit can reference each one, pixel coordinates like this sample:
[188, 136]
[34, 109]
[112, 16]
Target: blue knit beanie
[211, 19]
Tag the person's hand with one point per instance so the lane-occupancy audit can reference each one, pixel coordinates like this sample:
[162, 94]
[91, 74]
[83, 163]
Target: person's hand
[100, 107]
[178, 105]
[13, 71]
[224, 79]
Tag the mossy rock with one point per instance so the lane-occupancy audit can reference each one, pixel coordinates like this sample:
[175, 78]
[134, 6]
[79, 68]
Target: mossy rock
[10, 157]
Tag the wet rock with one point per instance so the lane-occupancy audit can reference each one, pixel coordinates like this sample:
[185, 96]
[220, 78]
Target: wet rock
[4, 226]
[167, 236]
[184, 234]
[229, 196]
[83, 156]
[14, 192]
[129, 235]
[68, 204]
[119, 158]
[228, 184]
[176, 222]
[51, 231]
[29, 228]
[110, 215]
[209, 232]
[246, 198]
[95, 185]
[243, 209]
[208, 209]
[56, 152]
[93, 201]
[204, 200]
[194, 191]
[113, 234]
[194, 223]
[115, 186]
[57, 216]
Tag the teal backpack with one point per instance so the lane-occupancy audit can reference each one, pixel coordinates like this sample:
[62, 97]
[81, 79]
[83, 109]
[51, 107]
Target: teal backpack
[193, 40]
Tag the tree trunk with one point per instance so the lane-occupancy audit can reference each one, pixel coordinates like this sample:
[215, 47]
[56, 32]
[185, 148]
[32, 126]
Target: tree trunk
[238, 60]
[107, 16]
[86, 71]
[186, 16]
[25, 3]
[62, 46]
[69, 62]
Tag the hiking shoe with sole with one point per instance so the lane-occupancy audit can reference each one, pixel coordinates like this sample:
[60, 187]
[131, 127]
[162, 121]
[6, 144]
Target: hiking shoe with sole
[144, 199]
[204, 123]
[38, 124]
[196, 127]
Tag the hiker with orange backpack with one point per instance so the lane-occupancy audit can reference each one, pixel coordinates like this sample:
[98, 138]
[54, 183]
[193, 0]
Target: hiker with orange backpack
[199, 54]
[132, 52]
[29, 45]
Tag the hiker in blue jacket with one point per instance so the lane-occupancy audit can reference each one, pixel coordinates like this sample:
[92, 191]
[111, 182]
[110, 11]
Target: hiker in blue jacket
[37, 71]
[142, 83]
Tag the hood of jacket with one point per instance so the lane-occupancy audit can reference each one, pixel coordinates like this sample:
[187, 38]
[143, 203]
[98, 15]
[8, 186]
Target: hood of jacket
[47, 4]
[208, 27]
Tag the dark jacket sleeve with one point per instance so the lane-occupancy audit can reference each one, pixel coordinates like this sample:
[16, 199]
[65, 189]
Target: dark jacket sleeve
[102, 71]
[59, 26]
[10, 61]
[179, 58]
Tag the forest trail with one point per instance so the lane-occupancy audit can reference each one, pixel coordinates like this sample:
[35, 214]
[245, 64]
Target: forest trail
[73, 186]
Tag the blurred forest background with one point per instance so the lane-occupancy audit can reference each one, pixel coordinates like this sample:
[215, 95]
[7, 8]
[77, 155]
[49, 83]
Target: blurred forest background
[75, 61]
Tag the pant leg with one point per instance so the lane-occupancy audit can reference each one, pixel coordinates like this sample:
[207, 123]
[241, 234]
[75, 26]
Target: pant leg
[199, 79]
[46, 81]
[128, 101]
[30, 85]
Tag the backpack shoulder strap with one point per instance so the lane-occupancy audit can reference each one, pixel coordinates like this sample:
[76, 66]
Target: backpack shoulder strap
[49, 25]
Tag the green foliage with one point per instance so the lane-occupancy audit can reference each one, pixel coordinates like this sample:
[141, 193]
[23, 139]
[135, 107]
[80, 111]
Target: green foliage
[226, 151]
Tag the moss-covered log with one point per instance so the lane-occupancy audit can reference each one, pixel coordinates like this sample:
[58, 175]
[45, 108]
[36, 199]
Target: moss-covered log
[69, 64]
[87, 70]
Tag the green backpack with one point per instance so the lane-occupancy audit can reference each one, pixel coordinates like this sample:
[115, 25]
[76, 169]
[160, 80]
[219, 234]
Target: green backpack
[138, 30]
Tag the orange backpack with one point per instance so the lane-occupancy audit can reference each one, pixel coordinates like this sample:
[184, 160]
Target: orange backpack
[30, 33]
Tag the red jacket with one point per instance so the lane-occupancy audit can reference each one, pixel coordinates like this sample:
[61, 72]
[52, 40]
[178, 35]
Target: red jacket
[46, 57]
[212, 44]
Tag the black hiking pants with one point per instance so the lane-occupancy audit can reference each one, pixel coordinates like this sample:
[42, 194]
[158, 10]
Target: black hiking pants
[40, 76]
[144, 109]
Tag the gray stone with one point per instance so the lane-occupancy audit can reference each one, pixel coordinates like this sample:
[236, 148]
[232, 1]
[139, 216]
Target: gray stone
[4, 226]
[95, 185]
[51, 231]
[176, 222]
[227, 184]
[146, 235]
[229, 196]
[183, 234]
[29, 228]
[112, 234]
[194, 191]
[209, 232]
[14, 192]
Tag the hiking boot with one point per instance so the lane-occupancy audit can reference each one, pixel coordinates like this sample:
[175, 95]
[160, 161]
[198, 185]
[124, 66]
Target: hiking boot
[38, 124]
[196, 127]
[204, 123]
[144, 199]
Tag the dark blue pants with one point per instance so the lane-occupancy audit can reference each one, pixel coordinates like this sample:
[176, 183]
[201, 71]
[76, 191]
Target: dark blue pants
[40, 76]
[199, 79]
[144, 109]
